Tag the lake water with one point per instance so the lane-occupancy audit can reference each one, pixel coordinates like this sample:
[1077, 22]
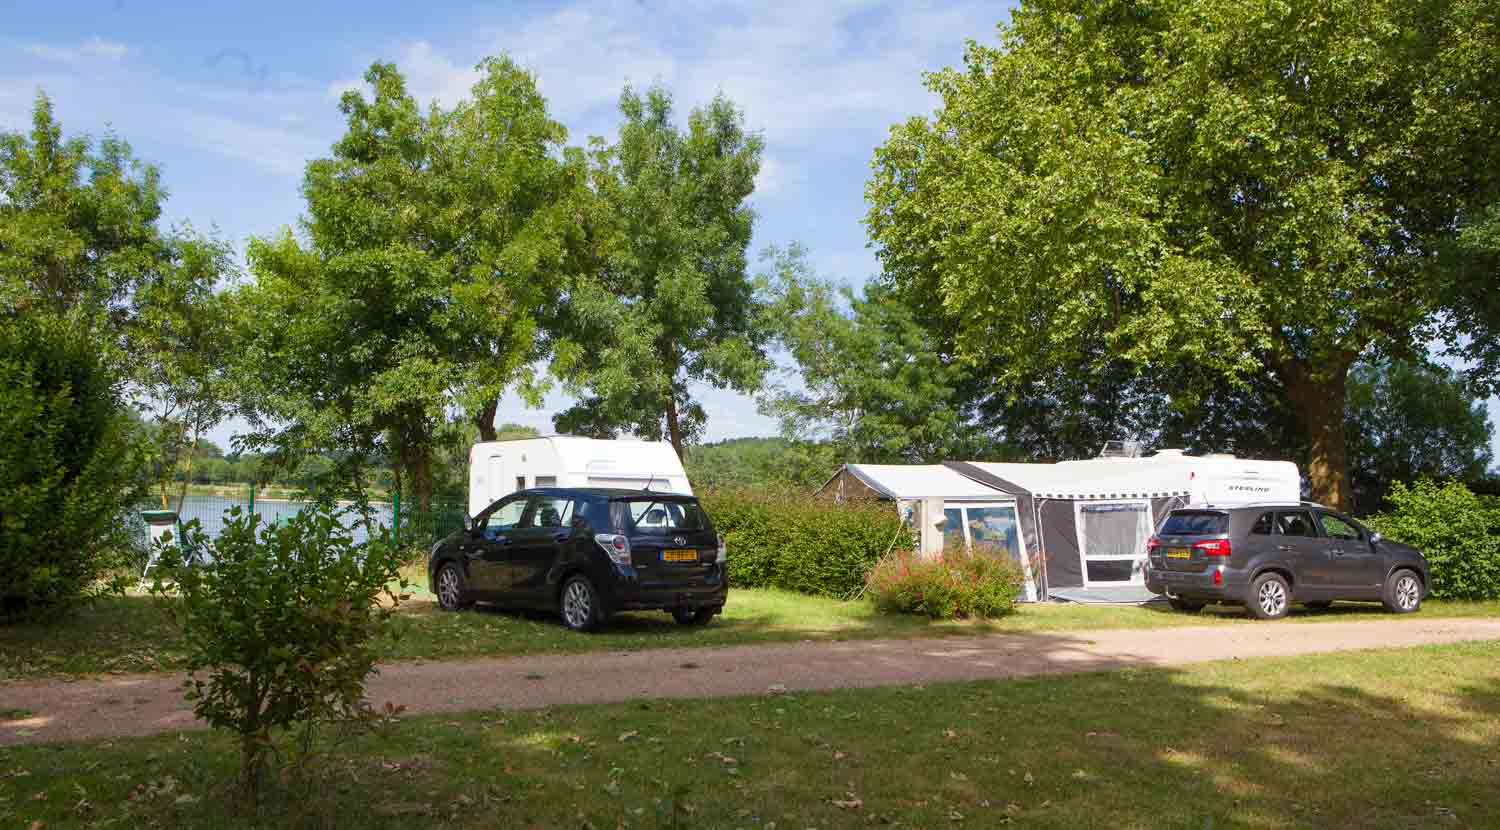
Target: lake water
[209, 511]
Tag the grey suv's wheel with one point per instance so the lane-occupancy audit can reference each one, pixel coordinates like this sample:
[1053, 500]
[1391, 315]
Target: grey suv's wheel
[1403, 592]
[1270, 597]
[579, 604]
[451, 587]
[1185, 605]
[692, 616]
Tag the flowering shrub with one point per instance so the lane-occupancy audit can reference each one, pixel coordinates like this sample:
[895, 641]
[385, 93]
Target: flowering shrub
[957, 584]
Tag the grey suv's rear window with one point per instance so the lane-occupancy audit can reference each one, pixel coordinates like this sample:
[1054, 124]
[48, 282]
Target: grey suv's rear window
[1185, 523]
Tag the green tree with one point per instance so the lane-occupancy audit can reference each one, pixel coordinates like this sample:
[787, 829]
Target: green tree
[435, 250]
[1205, 183]
[180, 341]
[79, 237]
[673, 303]
[77, 220]
[872, 381]
[1408, 422]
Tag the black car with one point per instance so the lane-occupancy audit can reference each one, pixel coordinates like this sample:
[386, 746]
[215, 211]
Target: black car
[586, 553]
[1266, 557]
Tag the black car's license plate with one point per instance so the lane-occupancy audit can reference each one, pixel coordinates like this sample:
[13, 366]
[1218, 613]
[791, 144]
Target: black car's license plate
[679, 555]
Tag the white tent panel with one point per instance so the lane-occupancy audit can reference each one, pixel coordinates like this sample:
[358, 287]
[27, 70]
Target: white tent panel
[923, 481]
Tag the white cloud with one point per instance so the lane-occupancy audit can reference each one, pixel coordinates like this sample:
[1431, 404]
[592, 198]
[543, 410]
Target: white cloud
[95, 48]
[772, 178]
[797, 68]
[430, 76]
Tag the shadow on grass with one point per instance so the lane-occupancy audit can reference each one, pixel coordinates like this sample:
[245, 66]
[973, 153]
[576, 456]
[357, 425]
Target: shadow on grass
[1390, 739]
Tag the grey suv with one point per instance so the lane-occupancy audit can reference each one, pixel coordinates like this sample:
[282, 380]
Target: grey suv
[1266, 557]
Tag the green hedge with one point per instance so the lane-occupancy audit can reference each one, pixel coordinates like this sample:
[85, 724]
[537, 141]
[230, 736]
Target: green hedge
[68, 467]
[1457, 530]
[799, 544]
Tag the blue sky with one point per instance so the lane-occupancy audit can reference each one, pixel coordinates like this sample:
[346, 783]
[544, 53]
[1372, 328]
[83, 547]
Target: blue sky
[231, 100]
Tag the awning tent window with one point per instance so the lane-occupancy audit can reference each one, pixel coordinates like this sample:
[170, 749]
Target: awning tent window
[1112, 538]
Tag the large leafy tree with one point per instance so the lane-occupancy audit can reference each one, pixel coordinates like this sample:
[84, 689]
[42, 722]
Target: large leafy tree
[672, 302]
[80, 239]
[1233, 188]
[78, 220]
[1409, 421]
[872, 382]
[433, 254]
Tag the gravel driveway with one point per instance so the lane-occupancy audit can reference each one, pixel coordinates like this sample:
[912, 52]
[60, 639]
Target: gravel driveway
[150, 703]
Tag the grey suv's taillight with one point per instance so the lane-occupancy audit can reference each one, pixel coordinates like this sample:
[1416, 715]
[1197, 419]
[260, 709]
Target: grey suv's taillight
[616, 545]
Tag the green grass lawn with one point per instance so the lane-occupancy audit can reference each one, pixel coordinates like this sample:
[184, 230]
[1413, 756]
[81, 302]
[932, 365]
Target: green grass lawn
[131, 634]
[1379, 739]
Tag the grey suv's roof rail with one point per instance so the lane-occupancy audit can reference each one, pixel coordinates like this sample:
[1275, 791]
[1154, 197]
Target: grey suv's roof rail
[1252, 504]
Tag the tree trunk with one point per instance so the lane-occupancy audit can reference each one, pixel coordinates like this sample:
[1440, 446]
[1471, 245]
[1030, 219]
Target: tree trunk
[674, 429]
[1317, 398]
[187, 477]
[485, 420]
[418, 469]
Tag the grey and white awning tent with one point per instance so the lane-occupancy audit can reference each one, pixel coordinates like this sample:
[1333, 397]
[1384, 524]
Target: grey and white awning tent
[1077, 524]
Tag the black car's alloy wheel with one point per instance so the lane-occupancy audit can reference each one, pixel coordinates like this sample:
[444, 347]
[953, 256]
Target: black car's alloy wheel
[692, 616]
[580, 604]
[1270, 597]
[449, 587]
[1403, 592]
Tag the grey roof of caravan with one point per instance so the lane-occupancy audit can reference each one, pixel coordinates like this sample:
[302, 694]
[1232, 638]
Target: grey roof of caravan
[923, 481]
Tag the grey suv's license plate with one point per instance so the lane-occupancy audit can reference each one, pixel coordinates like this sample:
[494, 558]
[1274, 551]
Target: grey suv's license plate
[1179, 553]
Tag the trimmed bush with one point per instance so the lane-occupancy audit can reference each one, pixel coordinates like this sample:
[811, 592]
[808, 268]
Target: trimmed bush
[797, 543]
[1457, 530]
[69, 468]
[958, 584]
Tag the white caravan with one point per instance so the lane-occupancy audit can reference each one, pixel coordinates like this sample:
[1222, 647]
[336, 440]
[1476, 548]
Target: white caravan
[499, 468]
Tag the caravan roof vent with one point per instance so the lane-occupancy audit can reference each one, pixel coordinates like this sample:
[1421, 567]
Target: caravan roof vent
[1170, 453]
[1122, 449]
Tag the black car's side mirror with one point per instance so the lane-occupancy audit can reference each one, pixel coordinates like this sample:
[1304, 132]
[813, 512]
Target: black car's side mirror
[471, 525]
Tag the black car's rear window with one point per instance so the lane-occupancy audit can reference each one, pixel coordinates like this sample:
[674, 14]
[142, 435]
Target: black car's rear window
[651, 515]
[1195, 523]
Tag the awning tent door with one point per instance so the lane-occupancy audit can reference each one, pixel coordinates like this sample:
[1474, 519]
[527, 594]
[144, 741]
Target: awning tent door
[1112, 541]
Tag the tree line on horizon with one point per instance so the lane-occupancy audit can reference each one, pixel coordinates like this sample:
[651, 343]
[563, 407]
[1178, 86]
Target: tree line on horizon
[1262, 230]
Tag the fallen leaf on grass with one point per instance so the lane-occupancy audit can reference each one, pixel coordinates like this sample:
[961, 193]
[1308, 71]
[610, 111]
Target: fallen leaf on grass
[625, 736]
[958, 776]
[853, 802]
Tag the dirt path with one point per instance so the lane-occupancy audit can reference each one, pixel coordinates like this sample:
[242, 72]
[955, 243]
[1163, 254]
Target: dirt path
[151, 703]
